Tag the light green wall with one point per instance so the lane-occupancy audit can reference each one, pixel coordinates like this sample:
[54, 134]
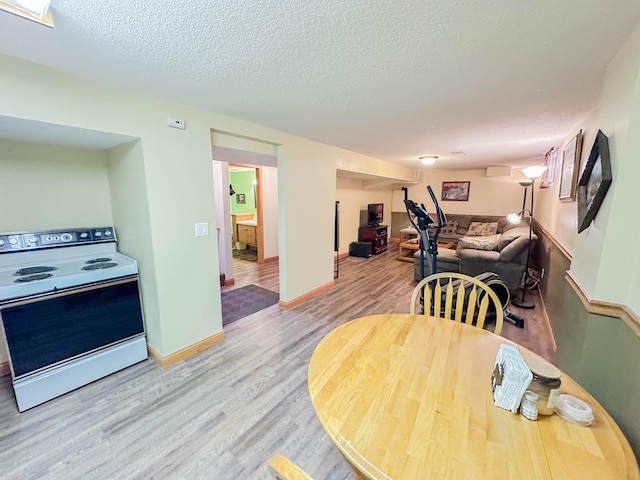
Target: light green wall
[176, 191]
[598, 264]
[610, 374]
[227, 140]
[46, 186]
[601, 353]
[243, 183]
[127, 184]
[616, 270]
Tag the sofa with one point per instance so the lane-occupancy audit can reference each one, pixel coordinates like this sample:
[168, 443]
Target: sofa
[458, 225]
[501, 249]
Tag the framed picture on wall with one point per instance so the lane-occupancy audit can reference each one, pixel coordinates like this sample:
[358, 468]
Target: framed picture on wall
[595, 181]
[240, 198]
[455, 191]
[570, 167]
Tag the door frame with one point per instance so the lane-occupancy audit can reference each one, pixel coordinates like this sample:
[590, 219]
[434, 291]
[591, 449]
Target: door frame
[259, 207]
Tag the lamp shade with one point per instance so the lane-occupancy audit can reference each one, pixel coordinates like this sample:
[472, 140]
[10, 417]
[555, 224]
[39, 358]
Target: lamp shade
[533, 172]
[514, 218]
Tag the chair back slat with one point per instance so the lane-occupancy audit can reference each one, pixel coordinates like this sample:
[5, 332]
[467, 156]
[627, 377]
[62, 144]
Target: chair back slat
[437, 297]
[459, 305]
[471, 305]
[482, 312]
[469, 301]
[448, 302]
[429, 295]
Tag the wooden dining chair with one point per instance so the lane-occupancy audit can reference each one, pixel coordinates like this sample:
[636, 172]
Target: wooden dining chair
[459, 297]
[284, 469]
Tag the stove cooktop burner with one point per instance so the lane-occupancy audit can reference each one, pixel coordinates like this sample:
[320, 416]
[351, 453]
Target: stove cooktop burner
[99, 266]
[36, 269]
[33, 278]
[98, 260]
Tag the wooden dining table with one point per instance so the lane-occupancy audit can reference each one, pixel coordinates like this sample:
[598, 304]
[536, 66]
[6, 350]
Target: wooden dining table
[409, 397]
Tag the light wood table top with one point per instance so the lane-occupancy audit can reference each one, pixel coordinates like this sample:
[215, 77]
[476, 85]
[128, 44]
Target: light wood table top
[409, 397]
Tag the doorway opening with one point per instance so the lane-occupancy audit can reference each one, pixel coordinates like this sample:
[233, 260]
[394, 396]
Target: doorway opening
[246, 195]
[245, 204]
[247, 218]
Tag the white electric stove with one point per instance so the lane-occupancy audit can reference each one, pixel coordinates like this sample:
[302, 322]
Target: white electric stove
[70, 310]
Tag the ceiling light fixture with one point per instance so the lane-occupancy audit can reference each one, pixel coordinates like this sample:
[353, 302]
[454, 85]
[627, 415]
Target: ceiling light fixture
[35, 10]
[429, 160]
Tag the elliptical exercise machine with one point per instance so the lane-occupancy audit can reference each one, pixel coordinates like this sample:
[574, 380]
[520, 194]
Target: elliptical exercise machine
[428, 245]
[422, 222]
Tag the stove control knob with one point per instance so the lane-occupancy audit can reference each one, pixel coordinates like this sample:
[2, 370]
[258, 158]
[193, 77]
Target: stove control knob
[66, 237]
[84, 235]
[13, 241]
[1, 242]
[97, 234]
[107, 233]
[32, 240]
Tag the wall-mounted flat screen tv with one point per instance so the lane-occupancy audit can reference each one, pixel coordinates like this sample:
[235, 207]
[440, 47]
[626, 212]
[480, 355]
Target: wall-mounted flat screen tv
[375, 214]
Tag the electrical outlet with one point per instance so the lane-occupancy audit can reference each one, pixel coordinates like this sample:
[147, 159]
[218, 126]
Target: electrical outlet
[202, 229]
[175, 122]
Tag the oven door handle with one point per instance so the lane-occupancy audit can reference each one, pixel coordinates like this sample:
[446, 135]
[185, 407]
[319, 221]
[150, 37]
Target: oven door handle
[67, 291]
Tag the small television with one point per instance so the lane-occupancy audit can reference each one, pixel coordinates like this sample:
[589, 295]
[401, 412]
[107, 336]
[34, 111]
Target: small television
[374, 214]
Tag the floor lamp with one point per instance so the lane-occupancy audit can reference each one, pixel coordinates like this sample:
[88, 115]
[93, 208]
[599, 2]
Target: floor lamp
[532, 173]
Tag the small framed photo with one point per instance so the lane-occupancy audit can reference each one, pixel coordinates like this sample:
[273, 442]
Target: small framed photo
[455, 191]
[570, 167]
[240, 199]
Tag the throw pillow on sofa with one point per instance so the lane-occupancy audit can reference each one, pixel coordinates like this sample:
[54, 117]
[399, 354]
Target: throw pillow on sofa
[450, 227]
[482, 229]
[487, 242]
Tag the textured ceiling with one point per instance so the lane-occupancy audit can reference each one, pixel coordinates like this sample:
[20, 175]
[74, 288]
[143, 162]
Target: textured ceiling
[501, 80]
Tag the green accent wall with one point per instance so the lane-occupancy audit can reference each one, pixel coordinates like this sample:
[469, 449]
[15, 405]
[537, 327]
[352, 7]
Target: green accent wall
[611, 356]
[601, 353]
[242, 183]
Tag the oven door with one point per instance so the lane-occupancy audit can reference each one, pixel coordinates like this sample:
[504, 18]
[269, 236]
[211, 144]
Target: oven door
[52, 329]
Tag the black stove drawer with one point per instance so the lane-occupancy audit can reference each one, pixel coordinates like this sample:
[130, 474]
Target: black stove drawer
[46, 330]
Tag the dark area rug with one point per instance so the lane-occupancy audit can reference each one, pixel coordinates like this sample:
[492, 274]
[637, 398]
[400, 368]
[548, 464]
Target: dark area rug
[244, 301]
[248, 254]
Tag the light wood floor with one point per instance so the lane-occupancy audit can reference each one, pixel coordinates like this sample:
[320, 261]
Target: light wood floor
[223, 413]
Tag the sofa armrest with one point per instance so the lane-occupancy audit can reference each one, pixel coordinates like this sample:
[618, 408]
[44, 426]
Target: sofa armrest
[471, 254]
[517, 248]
